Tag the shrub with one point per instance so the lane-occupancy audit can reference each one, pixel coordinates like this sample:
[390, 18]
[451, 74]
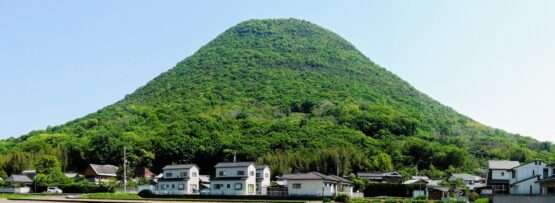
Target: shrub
[482, 200]
[145, 193]
[341, 198]
[85, 187]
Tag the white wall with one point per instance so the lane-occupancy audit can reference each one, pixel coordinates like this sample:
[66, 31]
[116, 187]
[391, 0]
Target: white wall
[523, 188]
[498, 174]
[188, 185]
[311, 188]
[250, 174]
[263, 183]
[529, 170]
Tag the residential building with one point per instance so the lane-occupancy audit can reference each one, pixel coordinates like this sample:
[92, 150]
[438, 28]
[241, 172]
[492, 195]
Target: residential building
[19, 180]
[472, 182]
[100, 173]
[382, 177]
[526, 178]
[427, 187]
[310, 184]
[262, 179]
[234, 178]
[500, 173]
[143, 172]
[29, 173]
[180, 179]
[344, 186]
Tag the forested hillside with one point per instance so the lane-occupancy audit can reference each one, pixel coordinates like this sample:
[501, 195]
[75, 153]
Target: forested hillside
[282, 92]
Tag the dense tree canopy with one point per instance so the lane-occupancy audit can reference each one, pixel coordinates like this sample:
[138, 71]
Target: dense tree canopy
[286, 93]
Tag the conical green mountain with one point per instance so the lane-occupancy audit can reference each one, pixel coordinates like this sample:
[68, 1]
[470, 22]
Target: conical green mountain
[283, 92]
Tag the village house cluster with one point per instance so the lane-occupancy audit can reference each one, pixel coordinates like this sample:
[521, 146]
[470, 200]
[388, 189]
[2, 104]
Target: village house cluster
[247, 178]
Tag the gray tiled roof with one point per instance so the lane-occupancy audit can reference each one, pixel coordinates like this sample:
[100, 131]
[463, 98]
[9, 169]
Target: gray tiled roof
[179, 166]
[465, 176]
[233, 164]
[502, 164]
[19, 179]
[105, 170]
[307, 176]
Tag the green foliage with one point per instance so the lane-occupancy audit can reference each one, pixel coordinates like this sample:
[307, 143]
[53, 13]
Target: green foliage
[283, 92]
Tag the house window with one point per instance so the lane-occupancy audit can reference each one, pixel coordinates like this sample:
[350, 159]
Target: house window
[251, 188]
[530, 189]
[502, 173]
[238, 186]
[258, 175]
[222, 173]
[194, 174]
[228, 186]
[533, 172]
[218, 186]
[180, 186]
[173, 186]
[240, 173]
[169, 175]
[183, 174]
[252, 173]
[266, 175]
[296, 186]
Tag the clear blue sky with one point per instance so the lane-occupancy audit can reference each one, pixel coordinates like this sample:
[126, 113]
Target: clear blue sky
[490, 60]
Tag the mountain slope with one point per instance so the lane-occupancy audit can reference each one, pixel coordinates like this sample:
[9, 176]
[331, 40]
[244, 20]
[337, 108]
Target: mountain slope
[287, 93]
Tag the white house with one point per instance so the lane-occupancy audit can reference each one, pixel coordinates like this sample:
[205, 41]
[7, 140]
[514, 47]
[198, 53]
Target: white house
[344, 186]
[179, 180]
[310, 184]
[500, 174]
[262, 179]
[234, 178]
[511, 177]
[525, 178]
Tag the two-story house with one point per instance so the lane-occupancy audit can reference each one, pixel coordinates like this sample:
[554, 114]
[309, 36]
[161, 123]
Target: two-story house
[262, 179]
[500, 173]
[526, 177]
[234, 178]
[180, 179]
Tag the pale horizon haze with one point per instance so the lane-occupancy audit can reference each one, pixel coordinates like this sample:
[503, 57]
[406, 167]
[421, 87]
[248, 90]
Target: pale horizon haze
[489, 60]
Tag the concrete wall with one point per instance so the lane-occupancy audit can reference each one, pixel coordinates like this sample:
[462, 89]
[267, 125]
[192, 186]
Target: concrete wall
[498, 174]
[522, 199]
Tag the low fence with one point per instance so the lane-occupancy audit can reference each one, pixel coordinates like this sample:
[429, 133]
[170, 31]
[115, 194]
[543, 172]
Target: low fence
[16, 190]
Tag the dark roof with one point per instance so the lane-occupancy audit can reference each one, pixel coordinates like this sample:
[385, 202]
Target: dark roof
[173, 179]
[341, 179]
[104, 170]
[19, 178]
[393, 174]
[179, 166]
[307, 176]
[233, 164]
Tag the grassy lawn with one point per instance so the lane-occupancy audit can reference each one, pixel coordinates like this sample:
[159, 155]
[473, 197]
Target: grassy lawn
[117, 195]
[7, 195]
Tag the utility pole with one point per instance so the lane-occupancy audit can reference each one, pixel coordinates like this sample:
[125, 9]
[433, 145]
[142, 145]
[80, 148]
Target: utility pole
[124, 170]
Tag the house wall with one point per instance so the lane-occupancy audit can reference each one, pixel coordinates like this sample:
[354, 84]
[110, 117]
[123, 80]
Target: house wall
[188, 185]
[311, 188]
[246, 184]
[230, 187]
[523, 188]
[501, 174]
[529, 170]
[263, 182]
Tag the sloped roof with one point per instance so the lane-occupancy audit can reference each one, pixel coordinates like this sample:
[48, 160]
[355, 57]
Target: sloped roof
[465, 176]
[380, 174]
[104, 170]
[341, 179]
[19, 178]
[502, 164]
[307, 176]
[179, 166]
[233, 164]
